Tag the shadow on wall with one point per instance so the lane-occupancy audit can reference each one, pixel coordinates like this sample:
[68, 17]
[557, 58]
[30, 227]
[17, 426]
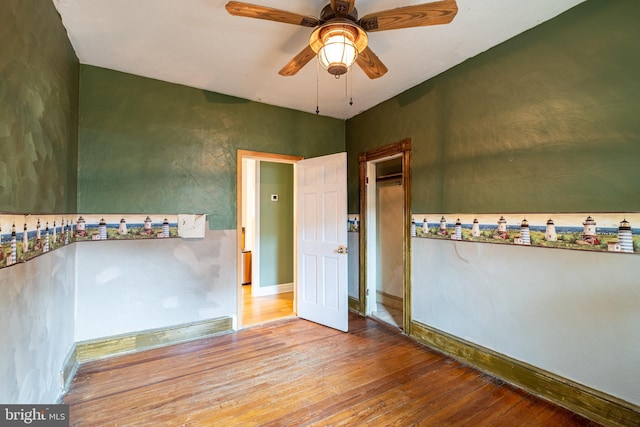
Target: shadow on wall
[415, 94]
[217, 98]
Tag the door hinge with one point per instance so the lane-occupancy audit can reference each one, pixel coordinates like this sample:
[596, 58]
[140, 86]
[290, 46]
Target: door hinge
[366, 180]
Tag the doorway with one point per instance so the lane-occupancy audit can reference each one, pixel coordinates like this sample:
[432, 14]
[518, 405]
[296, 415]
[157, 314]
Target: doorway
[264, 188]
[388, 302]
[385, 227]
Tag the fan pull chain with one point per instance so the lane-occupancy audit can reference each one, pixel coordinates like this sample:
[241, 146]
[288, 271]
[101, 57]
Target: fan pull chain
[346, 84]
[348, 87]
[317, 88]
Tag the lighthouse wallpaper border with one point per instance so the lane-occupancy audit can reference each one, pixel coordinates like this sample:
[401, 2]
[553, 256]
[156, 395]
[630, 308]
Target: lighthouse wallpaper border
[604, 232]
[24, 237]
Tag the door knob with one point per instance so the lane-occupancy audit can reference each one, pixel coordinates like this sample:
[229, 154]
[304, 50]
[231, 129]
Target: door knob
[342, 250]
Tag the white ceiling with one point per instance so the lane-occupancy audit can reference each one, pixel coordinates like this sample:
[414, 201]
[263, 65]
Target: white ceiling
[197, 43]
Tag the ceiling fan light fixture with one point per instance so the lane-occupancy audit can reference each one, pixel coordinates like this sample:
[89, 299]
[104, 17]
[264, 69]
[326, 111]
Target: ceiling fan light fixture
[338, 53]
[337, 46]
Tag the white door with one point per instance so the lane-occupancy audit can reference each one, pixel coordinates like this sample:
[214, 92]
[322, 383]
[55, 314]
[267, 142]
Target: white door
[321, 193]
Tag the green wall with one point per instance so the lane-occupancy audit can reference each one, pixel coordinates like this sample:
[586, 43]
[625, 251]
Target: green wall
[276, 224]
[152, 146]
[38, 110]
[546, 122]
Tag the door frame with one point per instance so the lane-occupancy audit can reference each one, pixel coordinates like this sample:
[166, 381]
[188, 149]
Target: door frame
[366, 163]
[268, 157]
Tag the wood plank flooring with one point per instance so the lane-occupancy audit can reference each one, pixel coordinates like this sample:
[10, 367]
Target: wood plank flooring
[257, 310]
[296, 373]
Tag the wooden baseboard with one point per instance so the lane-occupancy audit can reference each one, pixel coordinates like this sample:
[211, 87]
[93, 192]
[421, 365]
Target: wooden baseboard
[68, 371]
[588, 402]
[389, 300]
[354, 305]
[263, 291]
[87, 351]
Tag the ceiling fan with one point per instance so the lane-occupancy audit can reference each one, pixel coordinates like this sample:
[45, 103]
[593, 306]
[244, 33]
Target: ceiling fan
[340, 38]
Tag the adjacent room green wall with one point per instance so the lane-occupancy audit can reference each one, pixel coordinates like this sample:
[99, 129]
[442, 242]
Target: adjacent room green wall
[276, 224]
[152, 146]
[38, 110]
[546, 122]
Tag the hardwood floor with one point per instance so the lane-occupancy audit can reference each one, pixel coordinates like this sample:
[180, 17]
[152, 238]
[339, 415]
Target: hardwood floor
[257, 310]
[296, 373]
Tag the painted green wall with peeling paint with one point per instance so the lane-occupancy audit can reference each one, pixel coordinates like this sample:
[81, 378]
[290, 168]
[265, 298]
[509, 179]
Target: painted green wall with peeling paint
[38, 110]
[546, 122]
[152, 146]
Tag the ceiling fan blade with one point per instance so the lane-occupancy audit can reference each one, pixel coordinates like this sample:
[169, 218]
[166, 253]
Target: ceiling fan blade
[343, 7]
[237, 8]
[420, 15]
[371, 64]
[298, 61]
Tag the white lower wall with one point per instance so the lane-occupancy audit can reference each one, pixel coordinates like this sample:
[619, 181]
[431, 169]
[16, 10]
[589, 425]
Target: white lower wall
[91, 290]
[36, 326]
[129, 286]
[573, 313]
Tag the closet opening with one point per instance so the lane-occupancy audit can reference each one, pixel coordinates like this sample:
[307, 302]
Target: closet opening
[385, 234]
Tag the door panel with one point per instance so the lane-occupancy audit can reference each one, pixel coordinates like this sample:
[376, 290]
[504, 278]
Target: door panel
[309, 219]
[322, 229]
[309, 279]
[331, 272]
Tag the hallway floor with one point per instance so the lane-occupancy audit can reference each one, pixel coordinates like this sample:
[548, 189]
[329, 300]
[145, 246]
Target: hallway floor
[258, 310]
